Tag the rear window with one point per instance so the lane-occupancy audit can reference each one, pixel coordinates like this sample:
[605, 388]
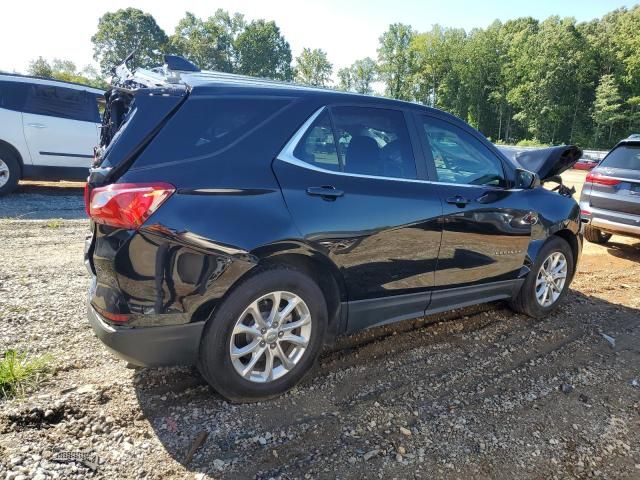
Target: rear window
[626, 157]
[12, 95]
[207, 126]
[62, 102]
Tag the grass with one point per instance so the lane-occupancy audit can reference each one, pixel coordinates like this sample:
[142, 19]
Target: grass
[55, 223]
[19, 372]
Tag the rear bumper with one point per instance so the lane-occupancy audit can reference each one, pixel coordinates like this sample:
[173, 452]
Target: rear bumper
[614, 227]
[150, 346]
[612, 222]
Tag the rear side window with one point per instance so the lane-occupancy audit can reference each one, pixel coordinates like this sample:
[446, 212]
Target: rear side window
[61, 102]
[13, 95]
[374, 141]
[317, 147]
[359, 140]
[626, 157]
[206, 126]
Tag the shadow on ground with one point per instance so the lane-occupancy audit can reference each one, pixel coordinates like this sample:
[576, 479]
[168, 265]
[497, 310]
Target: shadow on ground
[624, 250]
[504, 374]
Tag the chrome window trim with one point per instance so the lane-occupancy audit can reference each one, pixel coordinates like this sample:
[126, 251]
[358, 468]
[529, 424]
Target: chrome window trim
[286, 155]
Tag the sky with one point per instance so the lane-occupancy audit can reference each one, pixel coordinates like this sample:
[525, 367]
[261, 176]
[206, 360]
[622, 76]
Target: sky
[346, 29]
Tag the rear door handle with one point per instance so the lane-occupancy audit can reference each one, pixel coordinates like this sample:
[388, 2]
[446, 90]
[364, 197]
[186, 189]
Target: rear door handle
[327, 192]
[458, 201]
[37, 125]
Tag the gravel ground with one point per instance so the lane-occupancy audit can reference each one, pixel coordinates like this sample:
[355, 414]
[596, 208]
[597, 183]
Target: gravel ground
[476, 393]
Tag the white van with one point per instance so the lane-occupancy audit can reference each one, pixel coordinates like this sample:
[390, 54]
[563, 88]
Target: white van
[48, 129]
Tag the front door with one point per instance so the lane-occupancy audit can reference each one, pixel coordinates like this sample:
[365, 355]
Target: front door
[354, 190]
[486, 225]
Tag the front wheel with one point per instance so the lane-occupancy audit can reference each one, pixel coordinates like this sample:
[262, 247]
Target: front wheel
[265, 336]
[548, 281]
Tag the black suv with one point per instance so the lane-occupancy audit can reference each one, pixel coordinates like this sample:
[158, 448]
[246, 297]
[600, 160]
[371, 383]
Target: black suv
[239, 224]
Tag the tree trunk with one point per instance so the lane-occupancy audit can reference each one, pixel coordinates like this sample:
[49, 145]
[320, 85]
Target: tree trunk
[573, 123]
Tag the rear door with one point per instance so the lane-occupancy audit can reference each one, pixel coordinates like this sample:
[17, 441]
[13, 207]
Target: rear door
[351, 182]
[615, 183]
[60, 126]
[486, 225]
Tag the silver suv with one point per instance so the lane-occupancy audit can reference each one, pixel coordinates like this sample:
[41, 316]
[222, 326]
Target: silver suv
[610, 200]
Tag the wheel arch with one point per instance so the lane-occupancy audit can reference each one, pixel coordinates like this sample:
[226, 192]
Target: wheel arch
[316, 265]
[14, 151]
[302, 257]
[567, 234]
[571, 238]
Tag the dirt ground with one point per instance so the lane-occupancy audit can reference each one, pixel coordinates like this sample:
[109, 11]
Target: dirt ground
[478, 393]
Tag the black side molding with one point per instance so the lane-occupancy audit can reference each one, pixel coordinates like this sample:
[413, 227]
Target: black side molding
[62, 154]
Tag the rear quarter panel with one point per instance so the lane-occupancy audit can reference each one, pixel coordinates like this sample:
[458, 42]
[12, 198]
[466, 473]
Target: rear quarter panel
[227, 209]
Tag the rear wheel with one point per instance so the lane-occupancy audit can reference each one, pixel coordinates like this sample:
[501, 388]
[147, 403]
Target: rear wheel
[265, 336]
[9, 172]
[596, 236]
[548, 281]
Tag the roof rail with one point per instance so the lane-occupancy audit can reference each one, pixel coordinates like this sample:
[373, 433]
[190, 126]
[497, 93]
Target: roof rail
[34, 77]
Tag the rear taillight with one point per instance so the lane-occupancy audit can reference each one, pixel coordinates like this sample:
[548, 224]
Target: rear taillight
[113, 317]
[600, 179]
[127, 205]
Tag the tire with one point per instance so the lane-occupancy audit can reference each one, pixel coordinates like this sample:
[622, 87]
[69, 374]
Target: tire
[527, 301]
[596, 236]
[227, 329]
[9, 172]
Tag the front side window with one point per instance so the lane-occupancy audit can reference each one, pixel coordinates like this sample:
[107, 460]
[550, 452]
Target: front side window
[60, 102]
[374, 141]
[459, 157]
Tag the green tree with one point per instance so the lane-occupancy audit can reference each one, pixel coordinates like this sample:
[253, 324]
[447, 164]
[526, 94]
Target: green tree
[65, 70]
[40, 68]
[395, 61]
[313, 67]
[208, 43]
[124, 31]
[345, 79]
[364, 73]
[607, 106]
[263, 52]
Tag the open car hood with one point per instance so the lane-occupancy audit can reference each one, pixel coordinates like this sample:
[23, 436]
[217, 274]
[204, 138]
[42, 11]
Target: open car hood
[548, 162]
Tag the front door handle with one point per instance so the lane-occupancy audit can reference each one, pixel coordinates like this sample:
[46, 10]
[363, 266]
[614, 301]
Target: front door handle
[327, 192]
[458, 201]
[37, 125]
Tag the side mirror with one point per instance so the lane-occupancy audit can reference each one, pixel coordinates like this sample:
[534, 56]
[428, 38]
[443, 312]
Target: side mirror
[526, 179]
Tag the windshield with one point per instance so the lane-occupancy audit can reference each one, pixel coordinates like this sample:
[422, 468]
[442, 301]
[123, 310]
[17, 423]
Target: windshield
[626, 157]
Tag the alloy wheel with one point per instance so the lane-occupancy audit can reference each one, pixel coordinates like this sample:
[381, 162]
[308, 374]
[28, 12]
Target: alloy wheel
[551, 279]
[4, 173]
[270, 337]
